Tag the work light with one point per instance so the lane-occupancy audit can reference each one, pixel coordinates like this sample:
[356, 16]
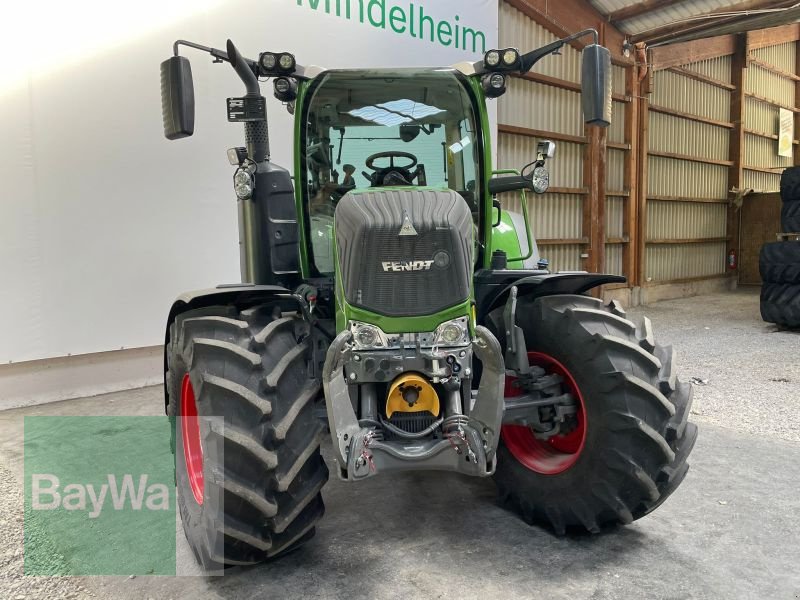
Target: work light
[286, 62]
[510, 57]
[269, 61]
[285, 89]
[493, 84]
[492, 58]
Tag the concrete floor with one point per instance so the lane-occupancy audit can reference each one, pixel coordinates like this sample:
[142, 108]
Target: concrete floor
[730, 531]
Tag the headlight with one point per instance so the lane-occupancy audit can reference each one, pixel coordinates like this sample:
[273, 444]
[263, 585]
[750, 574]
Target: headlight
[243, 183]
[367, 336]
[497, 81]
[243, 191]
[268, 61]
[451, 333]
[492, 58]
[242, 177]
[510, 57]
[286, 62]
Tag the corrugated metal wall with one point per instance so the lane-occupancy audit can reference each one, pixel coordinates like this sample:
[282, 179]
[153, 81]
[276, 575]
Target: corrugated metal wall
[761, 117]
[556, 215]
[684, 231]
[688, 162]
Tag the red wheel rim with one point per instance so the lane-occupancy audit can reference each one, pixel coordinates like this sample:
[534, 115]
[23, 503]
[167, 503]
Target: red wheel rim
[559, 453]
[190, 432]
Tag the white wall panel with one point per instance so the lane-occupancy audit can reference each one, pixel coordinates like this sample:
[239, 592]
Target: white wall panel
[103, 222]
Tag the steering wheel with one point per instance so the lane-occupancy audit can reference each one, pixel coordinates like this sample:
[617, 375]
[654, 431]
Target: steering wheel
[391, 175]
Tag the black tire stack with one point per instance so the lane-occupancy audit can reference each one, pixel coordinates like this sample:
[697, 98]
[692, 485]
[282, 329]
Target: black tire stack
[779, 262]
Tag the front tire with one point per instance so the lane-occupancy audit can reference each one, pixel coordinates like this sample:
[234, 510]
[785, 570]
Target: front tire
[634, 434]
[248, 466]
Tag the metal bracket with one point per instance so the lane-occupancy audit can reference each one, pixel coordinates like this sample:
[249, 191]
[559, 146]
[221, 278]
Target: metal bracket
[516, 350]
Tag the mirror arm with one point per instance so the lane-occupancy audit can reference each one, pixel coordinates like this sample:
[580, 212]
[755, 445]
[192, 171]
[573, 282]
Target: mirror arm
[234, 58]
[531, 58]
[217, 54]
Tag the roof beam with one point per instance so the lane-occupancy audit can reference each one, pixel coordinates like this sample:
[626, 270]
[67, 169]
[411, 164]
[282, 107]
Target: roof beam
[712, 20]
[773, 36]
[673, 55]
[638, 9]
[664, 57]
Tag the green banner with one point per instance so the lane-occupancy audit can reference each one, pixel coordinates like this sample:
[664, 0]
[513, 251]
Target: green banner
[99, 496]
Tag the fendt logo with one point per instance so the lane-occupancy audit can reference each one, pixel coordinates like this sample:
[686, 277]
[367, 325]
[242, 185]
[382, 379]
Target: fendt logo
[407, 265]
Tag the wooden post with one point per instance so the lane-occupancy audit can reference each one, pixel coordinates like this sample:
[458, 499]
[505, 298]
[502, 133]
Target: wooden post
[796, 132]
[641, 198]
[736, 148]
[594, 203]
[630, 177]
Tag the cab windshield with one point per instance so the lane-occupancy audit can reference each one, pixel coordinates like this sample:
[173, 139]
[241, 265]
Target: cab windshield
[373, 129]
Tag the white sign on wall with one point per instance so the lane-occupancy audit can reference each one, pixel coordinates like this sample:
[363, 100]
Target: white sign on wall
[103, 221]
[786, 134]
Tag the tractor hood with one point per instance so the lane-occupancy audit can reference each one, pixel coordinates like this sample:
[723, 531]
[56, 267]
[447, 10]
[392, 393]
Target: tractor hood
[404, 251]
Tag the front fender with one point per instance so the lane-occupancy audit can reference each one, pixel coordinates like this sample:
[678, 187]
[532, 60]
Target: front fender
[240, 295]
[545, 284]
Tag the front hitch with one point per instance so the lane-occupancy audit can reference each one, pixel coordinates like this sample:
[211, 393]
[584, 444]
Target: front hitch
[470, 449]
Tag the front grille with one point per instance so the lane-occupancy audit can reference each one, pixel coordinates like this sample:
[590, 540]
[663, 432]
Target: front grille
[367, 237]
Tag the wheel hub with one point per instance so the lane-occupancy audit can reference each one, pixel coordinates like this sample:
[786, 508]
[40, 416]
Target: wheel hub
[190, 434]
[556, 453]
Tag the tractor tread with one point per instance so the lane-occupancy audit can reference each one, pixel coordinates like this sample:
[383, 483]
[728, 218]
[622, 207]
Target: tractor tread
[645, 334]
[282, 427]
[282, 367]
[622, 421]
[284, 480]
[268, 460]
[257, 541]
[631, 383]
[281, 522]
[245, 356]
[283, 323]
[668, 378]
[244, 394]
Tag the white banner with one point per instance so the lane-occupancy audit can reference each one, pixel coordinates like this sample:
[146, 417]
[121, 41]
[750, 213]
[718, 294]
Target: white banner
[103, 221]
[786, 134]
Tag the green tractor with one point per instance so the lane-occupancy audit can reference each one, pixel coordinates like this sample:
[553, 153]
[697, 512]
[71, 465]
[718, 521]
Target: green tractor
[388, 299]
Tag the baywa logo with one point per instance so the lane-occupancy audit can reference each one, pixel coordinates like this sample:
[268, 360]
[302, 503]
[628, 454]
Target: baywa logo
[123, 495]
[99, 496]
[408, 19]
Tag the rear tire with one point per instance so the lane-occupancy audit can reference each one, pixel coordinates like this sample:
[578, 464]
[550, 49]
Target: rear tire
[637, 434]
[261, 471]
[780, 304]
[790, 217]
[779, 262]
[790, 184]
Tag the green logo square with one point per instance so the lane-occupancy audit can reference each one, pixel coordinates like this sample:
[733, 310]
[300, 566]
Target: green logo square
[99, 496]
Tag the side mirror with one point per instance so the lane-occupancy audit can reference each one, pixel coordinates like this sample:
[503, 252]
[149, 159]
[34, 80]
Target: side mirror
[177, 97]
[596, 85]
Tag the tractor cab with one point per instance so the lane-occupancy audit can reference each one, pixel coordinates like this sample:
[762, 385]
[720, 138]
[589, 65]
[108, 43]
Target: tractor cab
[364, 131]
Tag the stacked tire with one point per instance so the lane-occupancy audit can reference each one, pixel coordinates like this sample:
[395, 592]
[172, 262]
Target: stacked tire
[779, 262]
